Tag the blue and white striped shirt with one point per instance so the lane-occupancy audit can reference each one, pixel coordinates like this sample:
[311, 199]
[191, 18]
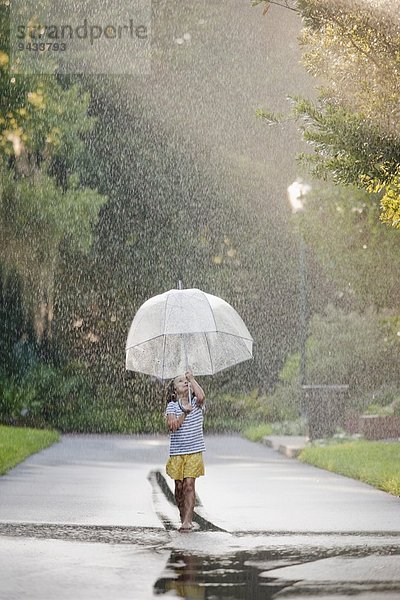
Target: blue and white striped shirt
[188, 439]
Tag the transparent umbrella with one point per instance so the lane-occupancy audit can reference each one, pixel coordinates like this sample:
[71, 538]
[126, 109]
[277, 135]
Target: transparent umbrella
[183, 329]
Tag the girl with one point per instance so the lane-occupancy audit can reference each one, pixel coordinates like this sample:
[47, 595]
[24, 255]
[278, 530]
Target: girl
[185, 422]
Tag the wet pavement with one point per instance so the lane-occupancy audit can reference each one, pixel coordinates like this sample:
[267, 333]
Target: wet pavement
[92, 517]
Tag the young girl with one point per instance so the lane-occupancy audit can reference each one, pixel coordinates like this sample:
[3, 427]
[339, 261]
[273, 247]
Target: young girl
[185, 422]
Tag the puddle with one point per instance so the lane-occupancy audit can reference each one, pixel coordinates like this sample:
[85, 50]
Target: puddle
[197, 577]
[141, 563]
[289, 573]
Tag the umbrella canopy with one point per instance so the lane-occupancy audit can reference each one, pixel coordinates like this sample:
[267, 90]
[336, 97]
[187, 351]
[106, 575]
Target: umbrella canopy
[186, 328]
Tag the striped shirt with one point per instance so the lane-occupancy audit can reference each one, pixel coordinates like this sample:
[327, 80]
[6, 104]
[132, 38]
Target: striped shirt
[188, 439]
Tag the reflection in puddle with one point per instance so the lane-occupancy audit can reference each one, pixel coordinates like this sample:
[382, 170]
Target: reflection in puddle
[244, 575]
[202, 577]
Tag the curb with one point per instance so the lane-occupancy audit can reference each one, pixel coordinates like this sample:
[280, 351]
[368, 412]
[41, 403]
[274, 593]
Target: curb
[291, 449]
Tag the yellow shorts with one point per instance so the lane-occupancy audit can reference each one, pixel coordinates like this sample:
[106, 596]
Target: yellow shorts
[185, 465]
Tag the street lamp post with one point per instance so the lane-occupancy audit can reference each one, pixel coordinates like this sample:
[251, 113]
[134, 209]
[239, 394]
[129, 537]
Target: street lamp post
[321, 404]
[297, 192]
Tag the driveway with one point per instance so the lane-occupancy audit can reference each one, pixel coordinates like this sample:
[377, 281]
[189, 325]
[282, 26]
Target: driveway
[86, 519]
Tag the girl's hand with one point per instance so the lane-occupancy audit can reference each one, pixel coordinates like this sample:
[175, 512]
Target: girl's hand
[196, 389]
[187, 408]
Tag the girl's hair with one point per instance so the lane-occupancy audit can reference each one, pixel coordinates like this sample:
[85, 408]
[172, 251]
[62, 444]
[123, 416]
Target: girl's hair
[170, 394]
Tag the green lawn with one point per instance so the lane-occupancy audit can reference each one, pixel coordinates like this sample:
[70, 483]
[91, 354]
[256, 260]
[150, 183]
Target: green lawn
[376, 463]
[17, 443]
[255, 433]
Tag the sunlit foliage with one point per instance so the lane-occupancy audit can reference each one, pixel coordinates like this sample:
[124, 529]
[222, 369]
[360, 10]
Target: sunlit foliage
[42, 202]
[353, 48]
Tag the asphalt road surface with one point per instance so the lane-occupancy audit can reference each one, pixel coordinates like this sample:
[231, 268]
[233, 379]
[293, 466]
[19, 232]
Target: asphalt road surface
[91, 517]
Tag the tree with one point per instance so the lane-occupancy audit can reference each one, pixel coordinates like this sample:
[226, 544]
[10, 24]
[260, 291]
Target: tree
[12, 321]
[354, 49]
[42, 203]
[35, 217]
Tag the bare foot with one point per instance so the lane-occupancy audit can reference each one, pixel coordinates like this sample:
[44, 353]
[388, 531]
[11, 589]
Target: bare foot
[186, 527]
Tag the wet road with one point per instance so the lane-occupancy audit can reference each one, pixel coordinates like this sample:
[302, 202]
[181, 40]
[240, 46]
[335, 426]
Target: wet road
[90, 518]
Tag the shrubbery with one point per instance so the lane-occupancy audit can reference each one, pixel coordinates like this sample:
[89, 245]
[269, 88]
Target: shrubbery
[360, 350]
[229, 412]
[343, 348]
[45, 395]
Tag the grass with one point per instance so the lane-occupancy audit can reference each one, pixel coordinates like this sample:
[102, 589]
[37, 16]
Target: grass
[17, 443]
[376, 463]
[255, 433]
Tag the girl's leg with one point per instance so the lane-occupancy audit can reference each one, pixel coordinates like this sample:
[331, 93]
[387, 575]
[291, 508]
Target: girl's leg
[179, 497]
[189, 497]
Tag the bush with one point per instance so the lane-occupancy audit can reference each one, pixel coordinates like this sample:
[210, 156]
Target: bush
[386, 394]
[284, 404]
[361, 350]
[229, 412]
[381, 411]
[13, 400]
[383, 402]
[297, 427]
[256, 433]
[45, 396]
[355, 349]
[62, 397]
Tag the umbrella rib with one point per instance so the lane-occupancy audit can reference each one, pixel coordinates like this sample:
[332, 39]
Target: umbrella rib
[164, 334]
[163, 365]
[212, 312]
[215, 323]
[240, 337]
[209, 353]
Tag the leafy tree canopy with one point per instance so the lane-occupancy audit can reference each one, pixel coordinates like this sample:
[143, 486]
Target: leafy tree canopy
[353, 48]
[43, 120]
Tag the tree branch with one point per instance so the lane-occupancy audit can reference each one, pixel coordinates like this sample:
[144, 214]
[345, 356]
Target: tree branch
[352, 42]
[268, 2]
[286, 5]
